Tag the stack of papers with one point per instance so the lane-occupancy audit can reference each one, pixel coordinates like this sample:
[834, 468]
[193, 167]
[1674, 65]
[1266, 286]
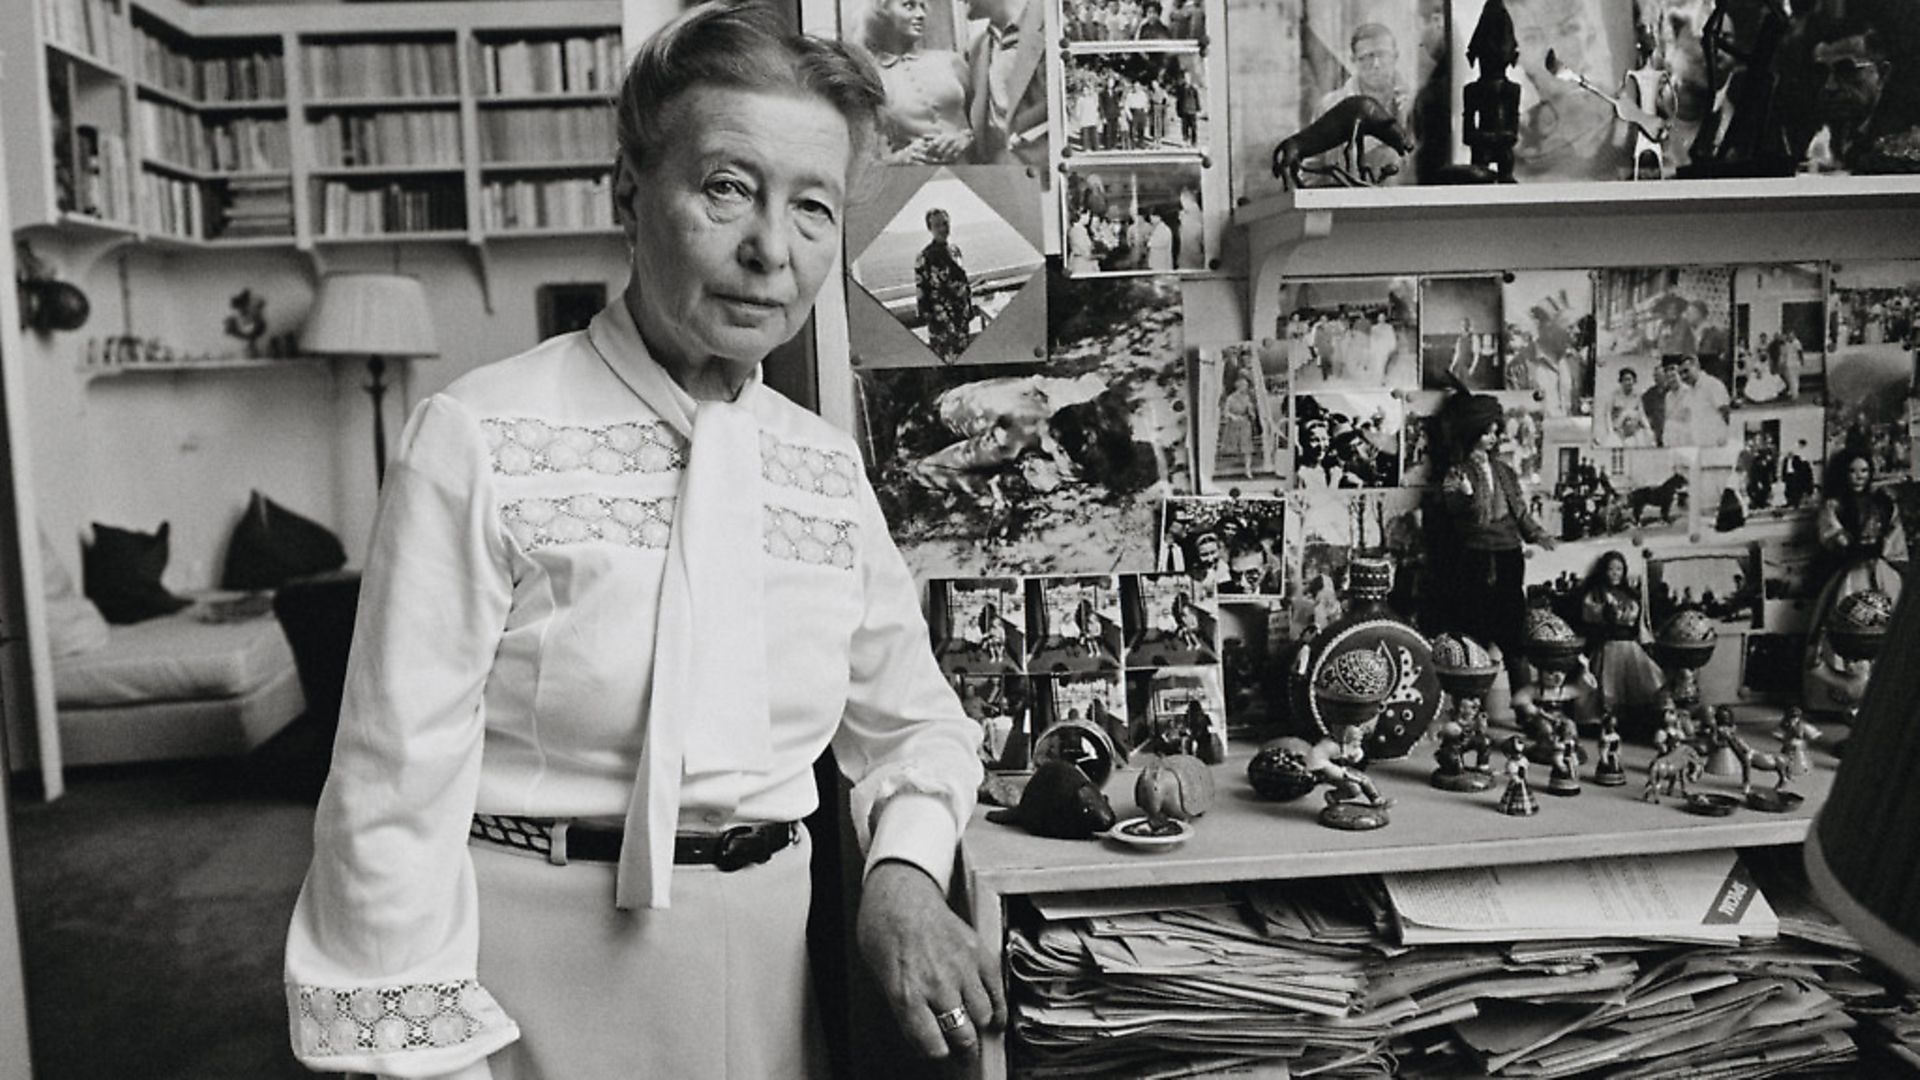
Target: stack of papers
[1661, 968]
[1702, 896]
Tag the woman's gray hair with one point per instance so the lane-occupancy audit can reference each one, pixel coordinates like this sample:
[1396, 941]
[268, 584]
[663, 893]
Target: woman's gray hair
[740, 45]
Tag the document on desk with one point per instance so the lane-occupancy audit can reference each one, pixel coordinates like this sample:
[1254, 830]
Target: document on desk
[1703, 896]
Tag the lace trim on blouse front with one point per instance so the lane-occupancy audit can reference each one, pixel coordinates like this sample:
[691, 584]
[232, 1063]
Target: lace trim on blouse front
[798, 537]
[806, 468]
[382, 1019]
[586, 518]
[526, 446]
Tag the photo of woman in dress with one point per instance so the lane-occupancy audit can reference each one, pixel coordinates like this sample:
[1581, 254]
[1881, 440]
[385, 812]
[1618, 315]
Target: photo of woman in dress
[925, 117]
[945, 295]
[1613, 619]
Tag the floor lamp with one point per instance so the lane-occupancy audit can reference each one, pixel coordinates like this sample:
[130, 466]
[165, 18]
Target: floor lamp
[377, 316]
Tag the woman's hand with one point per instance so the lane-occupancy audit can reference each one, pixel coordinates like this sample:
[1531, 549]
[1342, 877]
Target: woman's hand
[928, 961]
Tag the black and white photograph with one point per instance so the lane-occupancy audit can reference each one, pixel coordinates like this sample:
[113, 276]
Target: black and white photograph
[1773, 664]
[1098, 698]
[1001, 705]
[1678, 316]
[1548, 338]
[1373, 65]
[1255, 640]
[1172, 21]
[1629, 401]
[1169, 618]
[1779, 335]
[1360, 333]
[1074, 623]
[1723, 584]
[1240, 427]
[1770, 475]
[1421, 438]
[948, 269]
[1787, 587]
[1522, 435]
[1133, 217]
[1460, 333]
[1043, 468]
[1135, 101]
[979, 625]
[1334, 527]
[1607, 493]
[1347, 439]
[935, 60]
[1176, 709]
[1566, 132]
[1871, 361]
[1245, 537]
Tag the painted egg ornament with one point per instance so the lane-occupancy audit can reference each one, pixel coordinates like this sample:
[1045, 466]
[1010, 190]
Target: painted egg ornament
[1279, 769]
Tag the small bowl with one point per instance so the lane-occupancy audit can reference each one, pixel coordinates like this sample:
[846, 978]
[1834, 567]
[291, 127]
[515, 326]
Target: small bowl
[1712, 803]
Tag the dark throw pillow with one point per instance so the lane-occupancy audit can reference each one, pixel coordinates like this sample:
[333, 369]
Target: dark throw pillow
[122, 569]
[273, 545]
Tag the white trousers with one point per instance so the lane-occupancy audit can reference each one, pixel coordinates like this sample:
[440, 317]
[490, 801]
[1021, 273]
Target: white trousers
[714, 988]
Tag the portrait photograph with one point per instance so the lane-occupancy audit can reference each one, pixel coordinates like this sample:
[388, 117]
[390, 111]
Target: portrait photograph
[1779, 335]
[1240, 420]
[1074, 623]
[1868, 387]
[1421, 437]
[1245, 536]
[1629, 401]
[1678, 316]
[1054, 467]
[1874, 302]
[1460, 335]
[1361, 333]
[948, 269]
[978, 625]
[1132, 217]
[1169, 618]
[1722, 584]
[1547, 338]
[1347, 439]
[1135, 100]
[1173, 22]
[1385, 52]
[1772, 470]
[1566, 132]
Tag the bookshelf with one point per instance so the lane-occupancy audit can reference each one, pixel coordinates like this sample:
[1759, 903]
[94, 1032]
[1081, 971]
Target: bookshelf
[255, 124]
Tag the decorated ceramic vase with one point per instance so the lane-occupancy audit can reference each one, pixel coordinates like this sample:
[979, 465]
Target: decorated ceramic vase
[1413, 696]
[1859, 624]
[1551, 643]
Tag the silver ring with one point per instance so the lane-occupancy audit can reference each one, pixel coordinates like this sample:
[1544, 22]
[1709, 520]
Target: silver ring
[952, 1020]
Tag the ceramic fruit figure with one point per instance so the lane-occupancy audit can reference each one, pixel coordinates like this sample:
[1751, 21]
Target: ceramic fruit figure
[1177, 786]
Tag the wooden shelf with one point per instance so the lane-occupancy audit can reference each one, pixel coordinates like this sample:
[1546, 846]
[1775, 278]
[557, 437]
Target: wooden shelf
[573, 166]
[568, 97]
[337, 172]
[84, 60]
[435, 101]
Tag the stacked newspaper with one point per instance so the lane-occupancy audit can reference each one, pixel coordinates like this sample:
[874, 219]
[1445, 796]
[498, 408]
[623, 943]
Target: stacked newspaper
[1656, 968]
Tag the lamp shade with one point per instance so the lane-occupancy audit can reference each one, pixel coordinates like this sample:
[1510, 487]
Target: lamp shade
[366, 314]
[1863, 854]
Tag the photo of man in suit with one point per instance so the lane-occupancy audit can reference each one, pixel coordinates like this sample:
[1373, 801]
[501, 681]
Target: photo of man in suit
[1007, 98]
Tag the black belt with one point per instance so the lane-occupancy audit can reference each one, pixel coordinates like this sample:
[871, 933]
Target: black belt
[563, 840]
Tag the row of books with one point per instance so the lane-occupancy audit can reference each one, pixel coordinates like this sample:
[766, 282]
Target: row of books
[342, 209]
[419, 137]
[575, 65]
[96, 28]
[173, 207]
[381, 69]
[1318, 977]
[101, 177]
[546, 134]
[580, 203]
[244, 144]
[257, 208]
[248, 76]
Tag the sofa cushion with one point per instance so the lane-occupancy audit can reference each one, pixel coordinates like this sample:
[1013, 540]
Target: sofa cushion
[122, 571]
[74, 625]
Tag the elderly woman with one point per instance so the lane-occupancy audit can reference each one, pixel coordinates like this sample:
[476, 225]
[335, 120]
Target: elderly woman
[925, 118]
[560, 838]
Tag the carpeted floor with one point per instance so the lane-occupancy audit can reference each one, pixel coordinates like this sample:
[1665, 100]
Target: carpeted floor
[153, 909]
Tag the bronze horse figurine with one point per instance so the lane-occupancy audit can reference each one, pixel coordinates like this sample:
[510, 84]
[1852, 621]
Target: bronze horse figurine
[1353, 119]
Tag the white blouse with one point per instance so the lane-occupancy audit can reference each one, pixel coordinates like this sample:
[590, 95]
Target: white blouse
[502, 658]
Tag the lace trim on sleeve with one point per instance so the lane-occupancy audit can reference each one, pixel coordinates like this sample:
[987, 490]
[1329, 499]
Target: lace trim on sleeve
[331, 1022]
[871, 795]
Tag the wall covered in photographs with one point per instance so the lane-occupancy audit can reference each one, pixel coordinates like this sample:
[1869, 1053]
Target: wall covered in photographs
[1031, 412]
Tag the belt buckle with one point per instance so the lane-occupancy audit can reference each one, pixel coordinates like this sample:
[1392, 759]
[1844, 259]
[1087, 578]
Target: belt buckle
[740, 847]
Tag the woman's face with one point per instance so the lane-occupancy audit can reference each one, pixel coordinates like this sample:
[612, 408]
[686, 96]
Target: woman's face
[735, 224]
[1616, 572]
[907, 19]
[1859, 475]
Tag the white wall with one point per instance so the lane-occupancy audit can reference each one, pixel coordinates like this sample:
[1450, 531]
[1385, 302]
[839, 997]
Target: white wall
[134, 450]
